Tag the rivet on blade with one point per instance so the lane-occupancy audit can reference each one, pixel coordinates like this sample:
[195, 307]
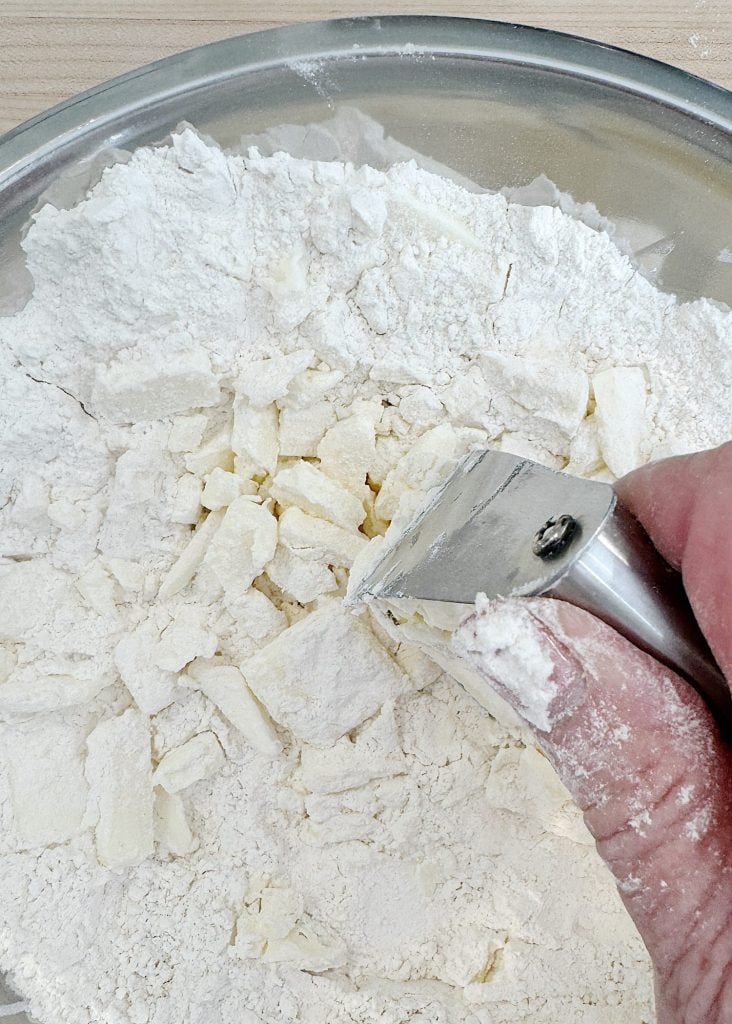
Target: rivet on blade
[554, 536]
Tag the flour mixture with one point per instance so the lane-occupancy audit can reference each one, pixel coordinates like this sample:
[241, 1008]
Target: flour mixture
[224, 797]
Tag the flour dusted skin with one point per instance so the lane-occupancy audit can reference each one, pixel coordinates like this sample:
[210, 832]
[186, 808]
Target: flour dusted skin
[222, 795]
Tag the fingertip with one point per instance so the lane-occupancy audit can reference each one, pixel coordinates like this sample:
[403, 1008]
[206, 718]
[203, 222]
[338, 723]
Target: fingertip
[683, 503]
[668, 494]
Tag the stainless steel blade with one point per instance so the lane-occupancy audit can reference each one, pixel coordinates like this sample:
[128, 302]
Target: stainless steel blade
[475, 535]
[506, 526]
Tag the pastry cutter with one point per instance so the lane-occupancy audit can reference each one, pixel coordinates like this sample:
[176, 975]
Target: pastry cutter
[507, 526]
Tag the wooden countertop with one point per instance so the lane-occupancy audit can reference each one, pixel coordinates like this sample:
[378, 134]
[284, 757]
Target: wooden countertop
[51, 49]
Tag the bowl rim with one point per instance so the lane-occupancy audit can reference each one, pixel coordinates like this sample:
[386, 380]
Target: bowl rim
[410, 37]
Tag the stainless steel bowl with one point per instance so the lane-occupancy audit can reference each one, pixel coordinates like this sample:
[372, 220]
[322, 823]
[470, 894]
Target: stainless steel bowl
[500, 103]
[647, 143]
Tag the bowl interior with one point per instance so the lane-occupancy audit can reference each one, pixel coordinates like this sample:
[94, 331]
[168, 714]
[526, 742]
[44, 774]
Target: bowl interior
[649, 145]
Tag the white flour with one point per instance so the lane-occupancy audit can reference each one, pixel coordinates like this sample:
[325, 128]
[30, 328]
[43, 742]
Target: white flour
[225, 799]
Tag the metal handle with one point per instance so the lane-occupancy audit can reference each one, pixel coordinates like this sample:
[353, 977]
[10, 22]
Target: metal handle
[622, 579]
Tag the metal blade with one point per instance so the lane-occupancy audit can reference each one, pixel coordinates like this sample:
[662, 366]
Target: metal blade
[478, 532]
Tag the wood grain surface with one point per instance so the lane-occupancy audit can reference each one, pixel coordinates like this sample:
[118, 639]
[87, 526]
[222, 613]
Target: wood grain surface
[51, 49]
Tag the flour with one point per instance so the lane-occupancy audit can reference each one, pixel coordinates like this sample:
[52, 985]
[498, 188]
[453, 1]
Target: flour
[506, 641]
[223, 797]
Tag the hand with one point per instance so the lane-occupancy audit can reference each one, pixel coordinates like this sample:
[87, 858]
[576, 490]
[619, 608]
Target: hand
[635, 744]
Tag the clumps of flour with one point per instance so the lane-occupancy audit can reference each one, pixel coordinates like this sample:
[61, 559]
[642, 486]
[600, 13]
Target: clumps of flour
[222, 795]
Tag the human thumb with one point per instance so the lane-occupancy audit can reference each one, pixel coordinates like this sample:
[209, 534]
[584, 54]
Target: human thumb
[641, 755]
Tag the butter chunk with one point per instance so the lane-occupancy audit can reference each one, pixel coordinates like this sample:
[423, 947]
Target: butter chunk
[370, 212]
[98, 589]
[467, 399]
[323, 676]
[305, 487]
[620, 398]
[272, 915]
[255, 435]
[242, 546]
[347, 451]
[185, 567]
[152, 688]
[249, 943]
[48, 790]
[171, 825]
[516, 443]
[279, 912]
[264, 380]
[246, 473]
[585, 456]
[525, 773]
[441, 222]
[225, 686]
[199, 758]
[363, 564]
[257, 617]
[551, 390]
[186, 507]
[309, 388]
[302, 579]
[375, 754]
[420, 406]
[187, 637]
[216, 452]
[303, 950]
[121, 796]
[302, 429]
[316, 539]
[49, 685]
[274, 928]
[421, 467]
[129, 392]
[221, 489]
[187, 432]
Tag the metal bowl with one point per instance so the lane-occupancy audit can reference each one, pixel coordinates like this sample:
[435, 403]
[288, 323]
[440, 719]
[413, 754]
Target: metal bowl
[645, 142]
[501, 104]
